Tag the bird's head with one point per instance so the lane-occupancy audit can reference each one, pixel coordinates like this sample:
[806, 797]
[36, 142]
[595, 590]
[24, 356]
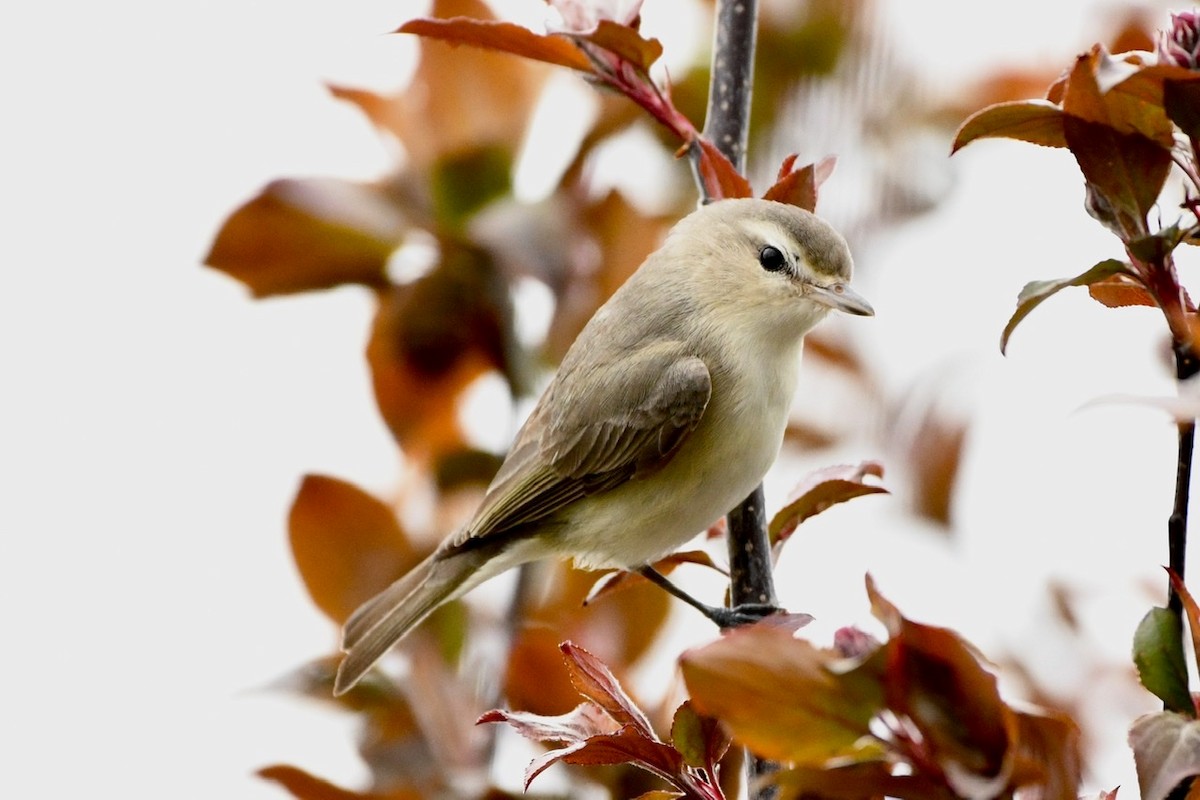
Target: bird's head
[759, 259]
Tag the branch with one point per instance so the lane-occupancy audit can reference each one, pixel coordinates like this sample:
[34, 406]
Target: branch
[727, 124]
[727, 121]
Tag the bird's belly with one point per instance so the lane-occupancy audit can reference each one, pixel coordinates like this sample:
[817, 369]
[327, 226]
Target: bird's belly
[645, 519]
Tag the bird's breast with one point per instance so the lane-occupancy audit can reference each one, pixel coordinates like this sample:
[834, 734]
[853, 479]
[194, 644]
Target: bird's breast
[718, 465]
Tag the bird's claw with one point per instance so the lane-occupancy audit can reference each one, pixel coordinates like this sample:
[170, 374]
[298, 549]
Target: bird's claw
[744, 614]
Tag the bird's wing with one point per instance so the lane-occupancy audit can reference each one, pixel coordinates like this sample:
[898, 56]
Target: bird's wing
[597, 427]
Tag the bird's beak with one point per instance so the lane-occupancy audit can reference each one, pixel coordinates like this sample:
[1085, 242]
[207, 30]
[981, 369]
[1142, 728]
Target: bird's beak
[841, 297]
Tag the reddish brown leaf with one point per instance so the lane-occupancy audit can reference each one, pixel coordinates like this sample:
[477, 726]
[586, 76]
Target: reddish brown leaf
[1181, 102]
[1120, 290]
[347, 545]
[577, 725]
[1118, 92]
[856, 781]
[1122, 143]
[1048, 754]
[821, 490]
[431, 339]
[618, 630]
[302, 235]
[800, 187]
[837, 353]
[935, 680]
[594, 680]
[1190, 607]
[1125, 173]
[808, 437]
[934, 457]
[782, 697]
[448, 108]
[622, 41]
[721, 179]
[590, 737]
[534, 679]
[305, 786]
[1132, 33]
[505, 37]
[1035, 121]
[1008, 84]
[628, 746]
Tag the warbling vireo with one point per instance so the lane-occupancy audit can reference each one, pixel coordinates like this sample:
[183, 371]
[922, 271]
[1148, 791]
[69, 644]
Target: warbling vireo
[665, 413]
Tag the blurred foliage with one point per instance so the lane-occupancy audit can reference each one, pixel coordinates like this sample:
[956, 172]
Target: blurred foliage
[460, 125]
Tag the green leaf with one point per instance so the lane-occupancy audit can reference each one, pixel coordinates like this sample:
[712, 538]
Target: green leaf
[1036, 291]
[1166, 750]
[1158, 655]
[702, 741]
[1035, 121]
[1190, 607]
[463, 183]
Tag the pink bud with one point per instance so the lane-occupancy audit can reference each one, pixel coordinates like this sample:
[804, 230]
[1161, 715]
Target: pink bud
[1180, 46]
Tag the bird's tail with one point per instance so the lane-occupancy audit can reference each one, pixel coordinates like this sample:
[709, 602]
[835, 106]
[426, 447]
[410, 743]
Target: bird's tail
[385, 619]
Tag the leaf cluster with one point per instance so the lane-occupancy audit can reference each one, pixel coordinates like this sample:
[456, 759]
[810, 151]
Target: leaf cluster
[917, 716]
[1126, 118]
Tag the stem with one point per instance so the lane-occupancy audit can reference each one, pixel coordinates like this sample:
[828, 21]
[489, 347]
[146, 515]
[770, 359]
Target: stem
[1186, 366]
[750, 576]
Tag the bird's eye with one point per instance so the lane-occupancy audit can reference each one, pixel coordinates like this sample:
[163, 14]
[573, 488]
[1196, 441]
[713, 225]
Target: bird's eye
[771, 259]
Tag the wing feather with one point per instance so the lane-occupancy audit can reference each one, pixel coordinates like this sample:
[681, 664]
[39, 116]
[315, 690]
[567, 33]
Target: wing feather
[593, 430]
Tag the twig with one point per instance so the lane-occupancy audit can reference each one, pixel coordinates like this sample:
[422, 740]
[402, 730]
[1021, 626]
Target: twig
[1186, 366]
[727, 121]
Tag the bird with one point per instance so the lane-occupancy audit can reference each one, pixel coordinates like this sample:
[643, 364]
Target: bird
[664, 414]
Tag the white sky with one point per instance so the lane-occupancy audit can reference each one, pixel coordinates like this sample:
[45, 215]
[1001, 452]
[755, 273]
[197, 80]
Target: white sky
[156, 422]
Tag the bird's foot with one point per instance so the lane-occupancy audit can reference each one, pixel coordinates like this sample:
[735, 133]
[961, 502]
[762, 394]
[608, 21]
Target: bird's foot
[723, 617]
[744, 614]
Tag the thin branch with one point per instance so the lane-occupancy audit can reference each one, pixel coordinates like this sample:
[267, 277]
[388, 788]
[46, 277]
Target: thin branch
[727, 125]
[1186, 366]
[727, 121]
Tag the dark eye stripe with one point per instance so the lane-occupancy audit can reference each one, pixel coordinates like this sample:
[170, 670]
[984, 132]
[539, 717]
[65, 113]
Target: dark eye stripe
[771, 259]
